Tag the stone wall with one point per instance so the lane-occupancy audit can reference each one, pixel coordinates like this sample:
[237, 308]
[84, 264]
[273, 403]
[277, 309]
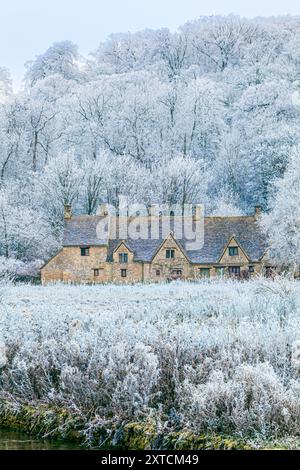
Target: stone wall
[163, 268]
[69, 266]
[134, 271]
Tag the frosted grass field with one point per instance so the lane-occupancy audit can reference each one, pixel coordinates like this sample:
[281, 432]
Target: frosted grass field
[202, 357]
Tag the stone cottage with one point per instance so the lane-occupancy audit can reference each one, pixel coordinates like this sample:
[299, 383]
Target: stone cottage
[233, 246]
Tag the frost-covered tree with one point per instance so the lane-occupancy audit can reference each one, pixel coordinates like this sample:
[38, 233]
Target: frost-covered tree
[124, 52]
[95, 171]
[183, 180]
[5, 84]
[282, 224]
[23, 231]
[58, 186]
[60, 59]
[200, 118]
[172, 50]
[12, 140]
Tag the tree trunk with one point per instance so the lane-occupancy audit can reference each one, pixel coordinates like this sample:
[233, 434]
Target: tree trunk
[34, 152]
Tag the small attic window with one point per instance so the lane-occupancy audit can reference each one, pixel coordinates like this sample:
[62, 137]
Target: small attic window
[123, 258]
[170, 254]
[233, 251]
[85, 251]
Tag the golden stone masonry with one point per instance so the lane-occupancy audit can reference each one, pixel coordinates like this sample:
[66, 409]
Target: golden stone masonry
[233, 246]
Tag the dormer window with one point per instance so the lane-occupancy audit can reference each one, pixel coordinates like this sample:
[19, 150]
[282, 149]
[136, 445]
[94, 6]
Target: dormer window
[123, 258]
[233, 251]
[170, 254]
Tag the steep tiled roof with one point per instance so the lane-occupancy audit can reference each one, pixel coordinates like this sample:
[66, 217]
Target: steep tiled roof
[219, 230]
[81, 231]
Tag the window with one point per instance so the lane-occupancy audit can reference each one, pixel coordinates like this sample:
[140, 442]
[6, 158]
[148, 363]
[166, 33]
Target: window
[220, 272]
[123, 258]
[85, 251]
[96, 272]
[157, 272]
[251, 269]
[176, 274]
[234, 270]
[233, 251]
[270, 271]
[123, 272]
[204, 273]
[170, 254]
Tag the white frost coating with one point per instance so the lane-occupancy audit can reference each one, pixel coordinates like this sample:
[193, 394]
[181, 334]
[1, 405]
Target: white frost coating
[3, 358]
[195, 355]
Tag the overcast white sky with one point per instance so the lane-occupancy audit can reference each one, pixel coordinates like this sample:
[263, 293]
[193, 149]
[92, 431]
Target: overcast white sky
[28, 27]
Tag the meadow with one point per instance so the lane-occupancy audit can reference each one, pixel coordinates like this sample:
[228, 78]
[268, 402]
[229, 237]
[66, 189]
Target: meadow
[155, 362]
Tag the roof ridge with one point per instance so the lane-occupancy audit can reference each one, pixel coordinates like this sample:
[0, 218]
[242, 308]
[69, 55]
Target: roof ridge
[229, 217]
[86, 216]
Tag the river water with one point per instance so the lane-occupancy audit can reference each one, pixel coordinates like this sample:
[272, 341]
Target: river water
[10, 440]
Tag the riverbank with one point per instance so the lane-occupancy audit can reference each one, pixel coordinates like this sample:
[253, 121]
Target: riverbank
[46, 422]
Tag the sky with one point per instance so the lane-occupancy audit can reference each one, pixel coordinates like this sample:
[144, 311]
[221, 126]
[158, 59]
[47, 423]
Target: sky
[29, 27]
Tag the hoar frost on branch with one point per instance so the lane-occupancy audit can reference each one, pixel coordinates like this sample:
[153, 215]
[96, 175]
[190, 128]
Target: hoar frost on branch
[283, 222]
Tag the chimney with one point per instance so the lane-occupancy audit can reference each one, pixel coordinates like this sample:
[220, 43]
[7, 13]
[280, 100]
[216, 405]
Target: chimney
[67, 212]
[103, 210]
[153, 210]
[257, 212]
[197, 212]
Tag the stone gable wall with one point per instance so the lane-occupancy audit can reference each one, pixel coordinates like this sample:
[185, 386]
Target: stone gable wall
[69, 266]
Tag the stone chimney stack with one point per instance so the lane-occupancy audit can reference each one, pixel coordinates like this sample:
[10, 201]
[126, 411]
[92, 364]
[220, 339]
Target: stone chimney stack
[152, 210]
[103, 210]
[67, 212]
[197, 212]
[257, 212]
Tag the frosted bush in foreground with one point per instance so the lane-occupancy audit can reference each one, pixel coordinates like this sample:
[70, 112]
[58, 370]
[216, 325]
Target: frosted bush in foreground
[208, 356]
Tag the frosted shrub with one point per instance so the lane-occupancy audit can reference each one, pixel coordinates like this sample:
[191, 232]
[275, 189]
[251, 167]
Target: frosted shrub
[253, 400]
[13, 267]
[209, 356]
